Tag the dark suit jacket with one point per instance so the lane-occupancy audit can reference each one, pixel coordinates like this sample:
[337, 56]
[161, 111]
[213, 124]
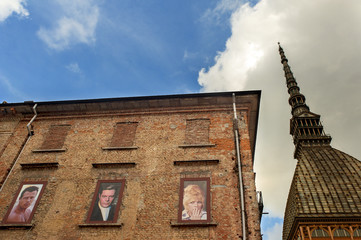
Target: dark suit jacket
[97, 214]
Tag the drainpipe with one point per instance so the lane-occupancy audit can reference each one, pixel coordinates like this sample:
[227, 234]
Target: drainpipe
[241, 189]
[30, 133]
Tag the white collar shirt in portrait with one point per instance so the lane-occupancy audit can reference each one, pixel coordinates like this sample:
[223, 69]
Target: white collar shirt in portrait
[105, 212]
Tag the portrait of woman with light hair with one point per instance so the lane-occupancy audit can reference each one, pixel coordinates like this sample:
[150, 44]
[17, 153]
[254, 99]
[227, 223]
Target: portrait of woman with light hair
[193, 203]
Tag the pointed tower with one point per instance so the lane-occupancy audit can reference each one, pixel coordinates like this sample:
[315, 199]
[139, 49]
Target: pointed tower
[324, 201]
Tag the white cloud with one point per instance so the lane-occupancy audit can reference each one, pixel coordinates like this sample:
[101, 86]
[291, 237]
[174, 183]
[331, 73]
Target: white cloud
[8, 7]
[323, 52]
[73, 67]
[251, 29]
[229, 62]
[77, 25]
[274, 233]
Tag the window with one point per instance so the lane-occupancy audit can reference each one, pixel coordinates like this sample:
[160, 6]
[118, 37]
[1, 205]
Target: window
[27, 197]
[340, 232]
[197, 131]
[56, 137]
[124, 134]
[357, 233]
[194, 200]
[319, 233]
[106, 201]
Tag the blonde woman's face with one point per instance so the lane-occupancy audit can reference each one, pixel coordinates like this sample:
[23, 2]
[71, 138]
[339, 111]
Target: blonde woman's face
[195, 204]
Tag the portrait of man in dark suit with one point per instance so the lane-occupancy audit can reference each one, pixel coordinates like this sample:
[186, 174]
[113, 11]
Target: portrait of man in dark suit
[106, 202]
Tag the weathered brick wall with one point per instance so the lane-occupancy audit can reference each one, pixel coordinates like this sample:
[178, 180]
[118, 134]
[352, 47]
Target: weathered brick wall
[7, 127]
[13, 135]
[151, 194]
[252, 212]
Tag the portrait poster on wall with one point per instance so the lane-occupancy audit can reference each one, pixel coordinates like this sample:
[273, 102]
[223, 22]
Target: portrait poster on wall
[194, 200]
[106, 201]
[26, 199]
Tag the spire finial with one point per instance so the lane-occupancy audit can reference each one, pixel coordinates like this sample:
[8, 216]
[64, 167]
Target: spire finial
[296, 100]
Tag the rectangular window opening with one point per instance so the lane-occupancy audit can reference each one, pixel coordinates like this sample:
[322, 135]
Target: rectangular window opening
[124, 134]
[55, 137]
[197, 131]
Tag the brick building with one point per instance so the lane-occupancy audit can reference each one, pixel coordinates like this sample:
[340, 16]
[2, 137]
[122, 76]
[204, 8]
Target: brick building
[160, 167]
[324, 201]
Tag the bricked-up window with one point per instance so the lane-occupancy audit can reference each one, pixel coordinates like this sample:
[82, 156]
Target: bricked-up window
[124, 134]
[197, 131]
[194, 200]
[106, 201]
[25, 201]
[56, 137]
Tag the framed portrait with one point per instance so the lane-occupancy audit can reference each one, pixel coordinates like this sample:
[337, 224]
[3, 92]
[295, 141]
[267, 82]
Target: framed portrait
[26, 199]
[106, 201]
[194, 200]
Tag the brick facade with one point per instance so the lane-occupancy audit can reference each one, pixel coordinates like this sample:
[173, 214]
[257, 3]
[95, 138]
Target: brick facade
[158, 128]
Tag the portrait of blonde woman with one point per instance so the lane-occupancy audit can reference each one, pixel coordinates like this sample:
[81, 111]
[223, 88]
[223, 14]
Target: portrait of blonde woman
[193, 203]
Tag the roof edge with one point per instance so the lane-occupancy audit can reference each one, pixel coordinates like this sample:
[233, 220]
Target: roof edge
[136, 98]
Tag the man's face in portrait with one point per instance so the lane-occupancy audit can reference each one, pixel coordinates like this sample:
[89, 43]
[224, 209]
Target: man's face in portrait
[27, 199]
[106, 198]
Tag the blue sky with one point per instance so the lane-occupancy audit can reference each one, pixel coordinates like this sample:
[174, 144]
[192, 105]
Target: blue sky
[85, 49]
[128, 48]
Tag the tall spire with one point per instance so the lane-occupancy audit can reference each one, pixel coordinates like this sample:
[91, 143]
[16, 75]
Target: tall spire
[305, 126]
[296, 100]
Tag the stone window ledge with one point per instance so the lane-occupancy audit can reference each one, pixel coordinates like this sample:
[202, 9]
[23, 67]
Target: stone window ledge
[48, 150]
[115, 225]
[196, 145]
[39, 165]
[196, 162]
[120, 148]
[16, 226]
[174, 223]
[114, 165]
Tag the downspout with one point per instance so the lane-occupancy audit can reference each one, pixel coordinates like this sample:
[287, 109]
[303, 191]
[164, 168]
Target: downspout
[30, 133]
[241, 189]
